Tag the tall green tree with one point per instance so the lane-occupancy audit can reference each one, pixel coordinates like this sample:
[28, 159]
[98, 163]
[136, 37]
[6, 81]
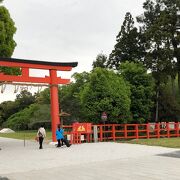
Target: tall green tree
[24, 99]
[129, 46]
[169, 105]
[142, 90]
[159, 29]
[105, 91]
[7, 43]
[100, 61]
[69, 96]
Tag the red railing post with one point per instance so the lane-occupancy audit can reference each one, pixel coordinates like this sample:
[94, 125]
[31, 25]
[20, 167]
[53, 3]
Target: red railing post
[114, 132]
[158, 130]
[168, 130]
[71, 138]
[137, 132]
[177, 129]
[101, 133]
[125, 131]
[79, 138]
[147, 130]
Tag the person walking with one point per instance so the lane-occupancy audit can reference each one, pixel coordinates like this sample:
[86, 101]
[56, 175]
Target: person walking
[41, 134]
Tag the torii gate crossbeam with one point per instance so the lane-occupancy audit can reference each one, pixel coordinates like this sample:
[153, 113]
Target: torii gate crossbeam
[52, 80]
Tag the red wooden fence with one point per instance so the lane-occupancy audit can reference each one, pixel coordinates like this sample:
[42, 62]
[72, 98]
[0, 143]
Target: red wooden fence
[133, 131]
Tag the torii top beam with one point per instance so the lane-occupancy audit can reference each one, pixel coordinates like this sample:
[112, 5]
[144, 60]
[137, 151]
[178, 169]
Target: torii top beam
[25, 65]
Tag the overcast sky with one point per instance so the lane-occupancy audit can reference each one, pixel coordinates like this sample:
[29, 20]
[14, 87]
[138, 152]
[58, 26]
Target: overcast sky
[67, 30]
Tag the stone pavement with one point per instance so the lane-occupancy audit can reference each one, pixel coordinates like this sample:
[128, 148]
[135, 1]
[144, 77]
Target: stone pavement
[90, 161]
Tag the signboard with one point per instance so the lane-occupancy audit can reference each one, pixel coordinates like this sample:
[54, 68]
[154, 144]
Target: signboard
[104, 116]
[82, 127]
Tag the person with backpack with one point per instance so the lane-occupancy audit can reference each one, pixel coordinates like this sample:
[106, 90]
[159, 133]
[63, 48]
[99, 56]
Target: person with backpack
[41, 134]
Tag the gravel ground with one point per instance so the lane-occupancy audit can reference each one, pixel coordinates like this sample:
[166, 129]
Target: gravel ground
[88, 161]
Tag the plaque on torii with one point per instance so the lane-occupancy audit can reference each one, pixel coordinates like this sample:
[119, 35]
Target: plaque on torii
[52, 80]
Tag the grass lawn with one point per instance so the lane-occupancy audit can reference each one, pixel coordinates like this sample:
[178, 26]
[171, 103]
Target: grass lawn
[164, 142]
[29, 135]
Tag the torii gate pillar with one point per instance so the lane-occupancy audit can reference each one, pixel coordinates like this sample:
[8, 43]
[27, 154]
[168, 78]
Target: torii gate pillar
[54, 104]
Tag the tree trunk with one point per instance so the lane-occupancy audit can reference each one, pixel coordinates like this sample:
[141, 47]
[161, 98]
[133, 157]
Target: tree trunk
[157, 104]
[178, 80]
[173, 86]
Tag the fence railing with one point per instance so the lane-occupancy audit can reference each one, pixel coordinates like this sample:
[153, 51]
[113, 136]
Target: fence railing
[115, 132]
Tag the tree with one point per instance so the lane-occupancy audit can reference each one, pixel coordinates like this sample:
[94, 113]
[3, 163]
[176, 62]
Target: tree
[69, 96]
[21, 119]
[129, 46]
[169, 107]
[100, 61]
[7, 108]
[7, 43]
[161, 40]
[40, 116]
[141, 85]
[43, 97]
[24, 99]
[105, 91]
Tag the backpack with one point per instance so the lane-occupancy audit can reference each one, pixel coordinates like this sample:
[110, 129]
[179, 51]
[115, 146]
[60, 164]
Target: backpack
[40, 134]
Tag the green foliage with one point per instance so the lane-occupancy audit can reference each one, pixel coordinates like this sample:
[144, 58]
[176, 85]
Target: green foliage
[100, 61]
[128, 47]
[69, 96]
[21, 119]
[169, 103]
[29, 117]
[8, 108]
[159, 28]
[142, 86]
[105, 91]
[24, 99]
[7, 43]
[40, 116]
[43, 97]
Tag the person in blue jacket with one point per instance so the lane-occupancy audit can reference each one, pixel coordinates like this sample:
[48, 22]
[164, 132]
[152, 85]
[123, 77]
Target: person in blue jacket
[60, 137]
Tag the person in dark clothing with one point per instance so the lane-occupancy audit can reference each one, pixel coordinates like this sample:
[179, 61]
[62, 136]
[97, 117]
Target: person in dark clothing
[41, 134]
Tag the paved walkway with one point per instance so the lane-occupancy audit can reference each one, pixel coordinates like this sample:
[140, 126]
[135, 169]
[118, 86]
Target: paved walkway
[94, 161]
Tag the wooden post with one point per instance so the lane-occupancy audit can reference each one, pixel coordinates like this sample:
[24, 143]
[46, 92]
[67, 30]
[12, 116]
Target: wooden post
[137, 133]
[167, 127]
[101, 133]
[147, 130]
[125, 131]
[114, 132]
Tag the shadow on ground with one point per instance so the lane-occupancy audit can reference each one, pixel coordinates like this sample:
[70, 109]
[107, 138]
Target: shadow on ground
[3, 178]
[175, 154]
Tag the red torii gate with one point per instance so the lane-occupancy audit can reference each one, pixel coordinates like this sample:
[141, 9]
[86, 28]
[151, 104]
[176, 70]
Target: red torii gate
[51, 80]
